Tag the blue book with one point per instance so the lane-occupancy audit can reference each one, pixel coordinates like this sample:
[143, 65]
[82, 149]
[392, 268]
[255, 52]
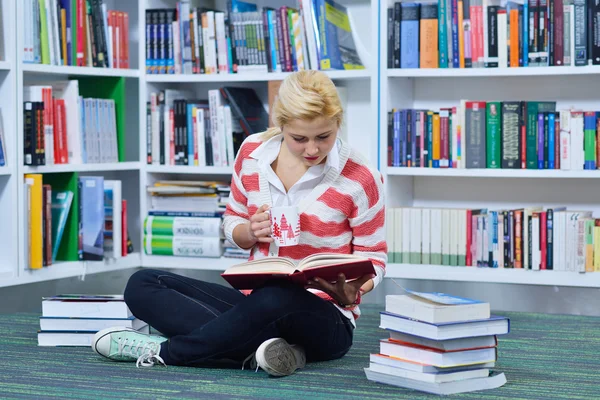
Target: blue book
[338, 50]
[409, 36]
[396, 147]
[551, 140]
[91, 218]
[60, 207]
[495, 325]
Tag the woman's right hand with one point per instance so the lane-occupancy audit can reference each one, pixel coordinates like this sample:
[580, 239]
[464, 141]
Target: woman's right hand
[259, 228]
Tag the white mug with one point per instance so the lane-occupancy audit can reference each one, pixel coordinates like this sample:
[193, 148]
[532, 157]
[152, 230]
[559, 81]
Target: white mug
[285, 225]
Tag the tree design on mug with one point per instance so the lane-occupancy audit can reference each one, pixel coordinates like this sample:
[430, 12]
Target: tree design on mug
[284, 228]
[276, 230]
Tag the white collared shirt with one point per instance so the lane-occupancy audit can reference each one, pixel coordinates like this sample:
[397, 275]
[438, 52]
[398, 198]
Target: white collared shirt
[267, 153]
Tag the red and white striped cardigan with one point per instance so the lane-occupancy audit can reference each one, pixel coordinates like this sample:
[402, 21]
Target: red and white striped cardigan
[345, 213]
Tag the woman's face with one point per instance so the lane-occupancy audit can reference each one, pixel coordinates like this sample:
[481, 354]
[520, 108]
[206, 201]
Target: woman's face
[310, 141]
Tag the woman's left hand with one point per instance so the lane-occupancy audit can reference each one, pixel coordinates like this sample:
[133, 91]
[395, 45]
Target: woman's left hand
[345, 293]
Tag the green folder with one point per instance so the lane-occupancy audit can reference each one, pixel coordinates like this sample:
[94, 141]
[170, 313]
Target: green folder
[69, 244]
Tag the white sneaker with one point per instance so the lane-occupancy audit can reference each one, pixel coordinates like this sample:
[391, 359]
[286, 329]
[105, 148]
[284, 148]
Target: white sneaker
[126, 344]
[279, 358]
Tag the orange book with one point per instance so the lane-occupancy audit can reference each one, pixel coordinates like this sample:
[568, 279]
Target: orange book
[514, 38]
[429, 36]
[35, 230]
[461, 36]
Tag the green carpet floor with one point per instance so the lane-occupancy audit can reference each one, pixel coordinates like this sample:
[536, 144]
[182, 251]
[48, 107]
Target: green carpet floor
[544, 357]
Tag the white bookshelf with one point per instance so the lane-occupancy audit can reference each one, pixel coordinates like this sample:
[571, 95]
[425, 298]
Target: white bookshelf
[361, 112]
[492, 275]
[371, 93]
[120, 166]
[274, 76]
[492, 173]
[41, 69]
[182, 169]
[8, 106]
[432, 89]
[489, 72]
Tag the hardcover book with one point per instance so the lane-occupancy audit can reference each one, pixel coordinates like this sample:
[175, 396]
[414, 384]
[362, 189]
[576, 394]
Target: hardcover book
[327, 266]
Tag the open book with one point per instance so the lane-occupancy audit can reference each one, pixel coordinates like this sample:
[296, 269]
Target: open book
[328, 266]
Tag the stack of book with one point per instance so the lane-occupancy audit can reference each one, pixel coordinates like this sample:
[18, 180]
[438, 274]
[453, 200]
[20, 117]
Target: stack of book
[185, 219]
[73, 320]
[438, 344]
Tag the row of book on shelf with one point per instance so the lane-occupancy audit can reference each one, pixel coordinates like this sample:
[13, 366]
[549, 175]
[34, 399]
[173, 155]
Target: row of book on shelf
[62, 127]
[533, 238]
[185, 219]
[438, 343]
[86, 220]
[81, 33]
[183, 130]
[492, 33]
[495, 134]
[188, 40]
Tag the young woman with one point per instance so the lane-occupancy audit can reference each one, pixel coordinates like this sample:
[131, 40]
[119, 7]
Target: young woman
[280, 325]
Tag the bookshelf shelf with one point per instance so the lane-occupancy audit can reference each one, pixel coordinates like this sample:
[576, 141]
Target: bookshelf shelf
[182, 169]
[5, 171]
[204, 263]
[62, 270]
[5, 66]
[493, 275]
[491, 72]
[122, 166]
[199, 78]
[492, 173]
[80, 71]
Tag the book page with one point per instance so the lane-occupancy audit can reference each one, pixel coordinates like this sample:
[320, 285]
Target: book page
[323, 259]
[265, 265]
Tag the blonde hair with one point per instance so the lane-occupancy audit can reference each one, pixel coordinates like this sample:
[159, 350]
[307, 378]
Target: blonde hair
[305, 95]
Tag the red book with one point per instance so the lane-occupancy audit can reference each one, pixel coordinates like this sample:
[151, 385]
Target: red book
[327, 266]
[469, 258]
[543, 239]
[124, 228]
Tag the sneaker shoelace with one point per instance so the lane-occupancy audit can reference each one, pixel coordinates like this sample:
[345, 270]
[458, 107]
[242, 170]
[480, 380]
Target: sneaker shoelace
[253, 363]
[146, 352]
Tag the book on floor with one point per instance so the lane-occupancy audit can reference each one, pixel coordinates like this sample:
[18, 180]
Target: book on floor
[495, 325]
[88, 324]
[72, 338]
[327, 266]
[493, 381]
[436, 307]
[85, 306]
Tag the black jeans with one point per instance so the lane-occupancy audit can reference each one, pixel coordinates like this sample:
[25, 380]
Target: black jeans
[209, 325]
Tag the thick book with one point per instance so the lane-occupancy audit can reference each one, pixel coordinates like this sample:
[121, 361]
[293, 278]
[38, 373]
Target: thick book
[327, 266]
[467, 385]
[436, 307]
[69, 324]
[72, 338]
[85, 306]
[439, 358]
[396, 362]
[430, 377]
[495, 325]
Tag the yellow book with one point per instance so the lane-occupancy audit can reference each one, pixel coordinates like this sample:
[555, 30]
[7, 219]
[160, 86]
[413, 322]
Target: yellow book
[597, 248]
[436, 140]
[35, 221]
